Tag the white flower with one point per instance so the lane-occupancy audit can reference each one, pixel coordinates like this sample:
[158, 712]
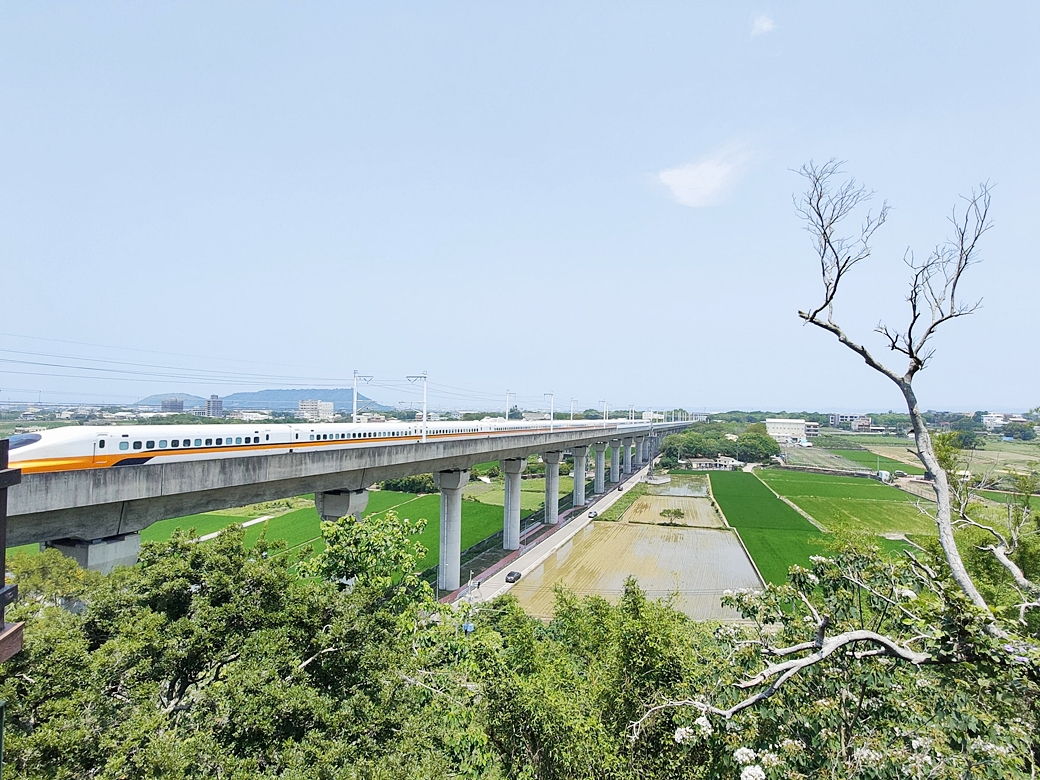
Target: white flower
[864, 756]
[769, 760]
[753, 773]
[812, 578]
[683, 734]
[908, 594]
[792, 746]
[922, 682]
[819, 559]
[705, 726]
[744, 755]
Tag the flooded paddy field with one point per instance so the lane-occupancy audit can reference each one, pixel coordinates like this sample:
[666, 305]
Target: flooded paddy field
[693, 485]
[697, 512]
[696, 563]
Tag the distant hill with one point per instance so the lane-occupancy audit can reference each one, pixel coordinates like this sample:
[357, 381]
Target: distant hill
[190, 401]
[276, 400]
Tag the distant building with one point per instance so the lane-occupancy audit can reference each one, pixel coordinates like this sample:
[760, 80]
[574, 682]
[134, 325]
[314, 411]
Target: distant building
[992, 421]
[786, 431]
[854, 422]
[536, 415]
[812, 429]
[315, 411]
[371, 417]
[175, 405]
[214, 407]
[653, 417]
[238, 414]
[721, 463]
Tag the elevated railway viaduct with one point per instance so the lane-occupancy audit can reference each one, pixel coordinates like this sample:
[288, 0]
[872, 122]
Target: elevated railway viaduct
[96, 515]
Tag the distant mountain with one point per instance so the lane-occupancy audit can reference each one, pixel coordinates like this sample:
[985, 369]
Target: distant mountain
[190, 401]
[276, 400]
[286, 400]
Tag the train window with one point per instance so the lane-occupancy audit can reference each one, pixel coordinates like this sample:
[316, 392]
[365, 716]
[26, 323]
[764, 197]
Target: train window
[220, 441]
[209, 442]
[198, 442]
[101, 444]
[137, 445]
[124, 445]
[162, 444]
[150, 445]
[247, 440]
[312, 437]
[238, 440]
[175, 443]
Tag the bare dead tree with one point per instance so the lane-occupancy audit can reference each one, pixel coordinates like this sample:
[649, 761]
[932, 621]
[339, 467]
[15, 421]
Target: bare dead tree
[934, 299]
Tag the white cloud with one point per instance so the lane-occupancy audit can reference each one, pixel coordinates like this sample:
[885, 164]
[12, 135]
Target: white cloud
[762, 23]
[708, 181]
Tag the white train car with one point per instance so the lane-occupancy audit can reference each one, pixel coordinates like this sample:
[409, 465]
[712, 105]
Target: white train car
[93, 447]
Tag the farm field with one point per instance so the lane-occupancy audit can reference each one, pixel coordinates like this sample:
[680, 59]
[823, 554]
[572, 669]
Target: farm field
[869, 459]
[698, 511]
[696, 563]
[775, 535]
[818, 458]
[1001, 497]
[681, 485]
[532, 492]
[997, 456]
[850, 503]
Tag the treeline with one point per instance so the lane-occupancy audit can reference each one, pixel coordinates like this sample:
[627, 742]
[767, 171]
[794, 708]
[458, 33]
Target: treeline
[709, 440]
[217, 661]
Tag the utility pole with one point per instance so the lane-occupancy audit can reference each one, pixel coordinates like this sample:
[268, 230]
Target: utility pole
[604, 409]
[413, 380]
[552, 409]
[508, 393]
[572, 410]
[366, 380]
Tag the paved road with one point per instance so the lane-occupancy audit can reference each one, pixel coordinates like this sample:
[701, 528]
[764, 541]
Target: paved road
[496, 584]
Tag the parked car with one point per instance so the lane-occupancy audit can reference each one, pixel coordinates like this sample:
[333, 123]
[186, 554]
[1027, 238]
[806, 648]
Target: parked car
[593, 513]
[513, 576]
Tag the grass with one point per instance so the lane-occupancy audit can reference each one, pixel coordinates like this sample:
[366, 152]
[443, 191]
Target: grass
[775, 535]
[1002, 498]
[618, 508]
[870, 460]
[850, 504]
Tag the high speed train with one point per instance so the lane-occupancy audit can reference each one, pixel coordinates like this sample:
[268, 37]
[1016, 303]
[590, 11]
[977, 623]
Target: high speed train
[97, 447]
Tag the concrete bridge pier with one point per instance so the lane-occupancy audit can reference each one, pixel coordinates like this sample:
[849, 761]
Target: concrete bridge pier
[628, 454]
[450, 484]
[615, 460]
[579, 475]
[101, 555]
[512, 468]
[552, 486]
[600, 449]
[334, 504]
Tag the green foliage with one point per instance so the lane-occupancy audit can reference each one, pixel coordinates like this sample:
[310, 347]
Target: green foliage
[708, 440]
[369, 551]
[673, 514]
[1023, 431]
[416, 483]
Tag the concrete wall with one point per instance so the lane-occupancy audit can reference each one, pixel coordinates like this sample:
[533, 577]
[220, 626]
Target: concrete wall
[97, 503]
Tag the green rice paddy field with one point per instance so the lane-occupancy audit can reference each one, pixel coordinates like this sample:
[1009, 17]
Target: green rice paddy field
[850, 504]
[869, 460]
[775, 535]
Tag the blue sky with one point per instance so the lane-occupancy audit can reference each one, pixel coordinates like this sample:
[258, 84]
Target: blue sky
[585, 198]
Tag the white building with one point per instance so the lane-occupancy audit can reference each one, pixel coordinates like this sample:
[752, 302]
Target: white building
[855, 422]
[812, 429]
[785, 430]
[315, 411]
